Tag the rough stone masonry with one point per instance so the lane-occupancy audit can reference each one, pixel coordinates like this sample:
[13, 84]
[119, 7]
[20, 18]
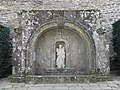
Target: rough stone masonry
[84, 24]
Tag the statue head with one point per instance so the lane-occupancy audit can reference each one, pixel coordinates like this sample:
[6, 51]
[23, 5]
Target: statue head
[60, 46]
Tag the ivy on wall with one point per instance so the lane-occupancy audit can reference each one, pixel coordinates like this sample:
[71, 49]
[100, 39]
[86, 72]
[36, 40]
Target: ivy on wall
[5, 52]
[116, 45]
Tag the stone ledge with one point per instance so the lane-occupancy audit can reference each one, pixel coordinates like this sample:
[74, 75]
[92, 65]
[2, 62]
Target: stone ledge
[51, 79]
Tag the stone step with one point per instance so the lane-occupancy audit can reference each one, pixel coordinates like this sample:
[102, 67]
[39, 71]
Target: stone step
[61, 79]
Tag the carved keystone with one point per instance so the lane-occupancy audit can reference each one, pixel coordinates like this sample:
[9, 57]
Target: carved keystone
[60, 23]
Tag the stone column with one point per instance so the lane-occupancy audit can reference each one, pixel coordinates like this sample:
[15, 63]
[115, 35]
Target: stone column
[18, 52]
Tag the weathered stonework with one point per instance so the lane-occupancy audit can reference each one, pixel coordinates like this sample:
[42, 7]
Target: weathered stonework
[27, 19]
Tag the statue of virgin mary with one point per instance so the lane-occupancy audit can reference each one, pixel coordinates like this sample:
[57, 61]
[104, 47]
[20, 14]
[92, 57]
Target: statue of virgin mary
[60, 57]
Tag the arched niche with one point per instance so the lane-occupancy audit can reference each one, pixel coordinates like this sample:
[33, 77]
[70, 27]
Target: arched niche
[79, 49]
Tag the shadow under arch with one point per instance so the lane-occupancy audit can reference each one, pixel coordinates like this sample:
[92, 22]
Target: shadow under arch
[78, 29]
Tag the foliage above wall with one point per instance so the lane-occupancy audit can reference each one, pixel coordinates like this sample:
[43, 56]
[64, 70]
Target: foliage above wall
[5, 52]
[116, 44]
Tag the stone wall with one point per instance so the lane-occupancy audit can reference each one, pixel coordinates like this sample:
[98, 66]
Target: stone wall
[20, 17]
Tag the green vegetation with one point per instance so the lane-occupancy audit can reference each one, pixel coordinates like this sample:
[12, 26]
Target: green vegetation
[115, 64]
[5, 52]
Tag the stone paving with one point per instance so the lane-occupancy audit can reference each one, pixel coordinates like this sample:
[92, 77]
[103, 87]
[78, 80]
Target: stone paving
[109, 85]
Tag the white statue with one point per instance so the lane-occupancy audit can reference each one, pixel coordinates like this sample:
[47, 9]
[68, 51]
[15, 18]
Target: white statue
[60, 57]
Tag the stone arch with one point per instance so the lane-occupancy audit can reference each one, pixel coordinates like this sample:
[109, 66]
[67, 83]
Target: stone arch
[79, 30]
